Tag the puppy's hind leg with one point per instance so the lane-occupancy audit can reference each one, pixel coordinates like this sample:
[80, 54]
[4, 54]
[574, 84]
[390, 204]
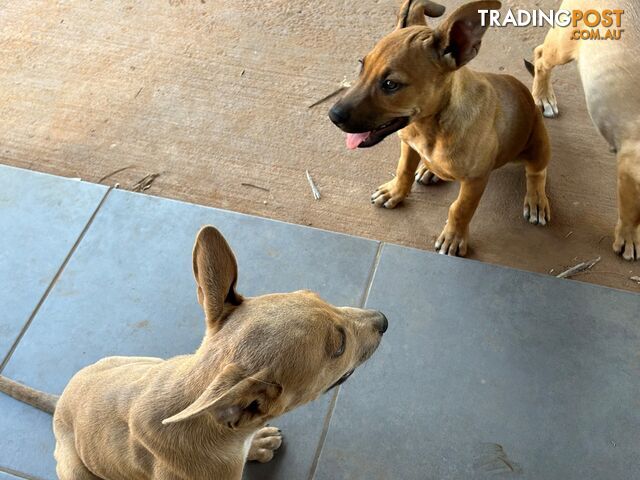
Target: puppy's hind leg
[627, 234]
[69, 466]
[557, 49]
[424, 176]
[536, 157]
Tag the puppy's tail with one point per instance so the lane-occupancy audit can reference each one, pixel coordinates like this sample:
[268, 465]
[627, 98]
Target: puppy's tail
[531, 68]
[35, 398]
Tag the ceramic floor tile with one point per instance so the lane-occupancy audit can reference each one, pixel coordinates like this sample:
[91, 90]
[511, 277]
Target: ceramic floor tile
[26, 439]
[41, 216]
[488, 372]
[128, 290]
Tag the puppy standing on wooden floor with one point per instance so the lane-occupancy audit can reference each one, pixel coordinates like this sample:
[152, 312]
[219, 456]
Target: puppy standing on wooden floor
[610, 71]
[202, 416]
[459, 123]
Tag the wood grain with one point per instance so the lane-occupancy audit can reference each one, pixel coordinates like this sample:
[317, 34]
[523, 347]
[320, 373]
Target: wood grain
[212, 94]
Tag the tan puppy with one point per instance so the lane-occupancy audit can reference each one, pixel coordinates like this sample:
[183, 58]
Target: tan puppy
[610, 70]
[462, 124]
[201, 416]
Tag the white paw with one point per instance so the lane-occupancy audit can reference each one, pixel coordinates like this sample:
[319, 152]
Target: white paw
[627, 242]
[537, 210]
[264, 443]
[549, 106]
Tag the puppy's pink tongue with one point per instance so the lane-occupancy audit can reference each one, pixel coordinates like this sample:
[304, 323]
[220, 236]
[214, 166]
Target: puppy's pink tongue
[355, 139]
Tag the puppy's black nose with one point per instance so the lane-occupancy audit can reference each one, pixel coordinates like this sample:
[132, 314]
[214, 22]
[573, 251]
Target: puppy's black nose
[338, 115]
[382, 323]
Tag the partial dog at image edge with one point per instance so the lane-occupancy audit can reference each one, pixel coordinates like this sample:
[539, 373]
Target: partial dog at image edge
[453, 123]
[202, 416]
[610, 71]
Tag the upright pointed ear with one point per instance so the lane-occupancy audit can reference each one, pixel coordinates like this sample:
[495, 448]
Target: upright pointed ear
[460, 34]
[216, 272]
[412, 12]
[234, 400]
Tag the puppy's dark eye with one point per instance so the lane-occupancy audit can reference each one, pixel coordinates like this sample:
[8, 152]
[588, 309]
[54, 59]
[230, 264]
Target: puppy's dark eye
[390, 86]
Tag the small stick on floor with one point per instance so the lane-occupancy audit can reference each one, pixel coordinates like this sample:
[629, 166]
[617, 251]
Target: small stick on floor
[114, 172]
[343, 86]
[314, 189]
[244, 184]
[144, 183]
[579, 268]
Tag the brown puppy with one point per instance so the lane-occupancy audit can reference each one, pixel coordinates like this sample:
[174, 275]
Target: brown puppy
[609, 70]
[202, 416]
[462, 124]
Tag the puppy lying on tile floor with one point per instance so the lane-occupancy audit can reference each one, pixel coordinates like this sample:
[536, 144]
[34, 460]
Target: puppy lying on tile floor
[453, 123]
[610, 70]
[202, 416]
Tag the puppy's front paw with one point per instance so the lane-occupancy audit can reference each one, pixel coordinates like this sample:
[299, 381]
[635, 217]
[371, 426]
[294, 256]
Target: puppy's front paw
[424, 176]
[390, 194]
[536, 209]
[627, 241]
[265, 442]
[452, 242]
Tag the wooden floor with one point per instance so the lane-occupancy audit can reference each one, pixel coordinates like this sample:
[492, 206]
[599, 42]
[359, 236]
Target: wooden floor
[213, 96]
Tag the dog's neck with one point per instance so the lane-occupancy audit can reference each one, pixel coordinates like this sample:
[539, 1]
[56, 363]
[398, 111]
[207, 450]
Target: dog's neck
[453, 98]
[223, 447]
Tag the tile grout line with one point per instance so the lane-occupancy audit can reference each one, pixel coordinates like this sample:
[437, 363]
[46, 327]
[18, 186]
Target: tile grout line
[17, 474]
[323, 434]
[53, 282]
[334, 399]
[372, 274]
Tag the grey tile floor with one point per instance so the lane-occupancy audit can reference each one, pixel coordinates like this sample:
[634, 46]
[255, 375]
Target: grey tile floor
[485, 372]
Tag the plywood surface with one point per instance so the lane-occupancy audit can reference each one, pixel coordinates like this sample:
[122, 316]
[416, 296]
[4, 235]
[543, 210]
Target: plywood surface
[214, 94]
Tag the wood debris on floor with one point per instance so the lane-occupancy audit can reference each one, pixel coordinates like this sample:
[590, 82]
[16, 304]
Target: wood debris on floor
[579, 268]
[144, 183]
[314, 188]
